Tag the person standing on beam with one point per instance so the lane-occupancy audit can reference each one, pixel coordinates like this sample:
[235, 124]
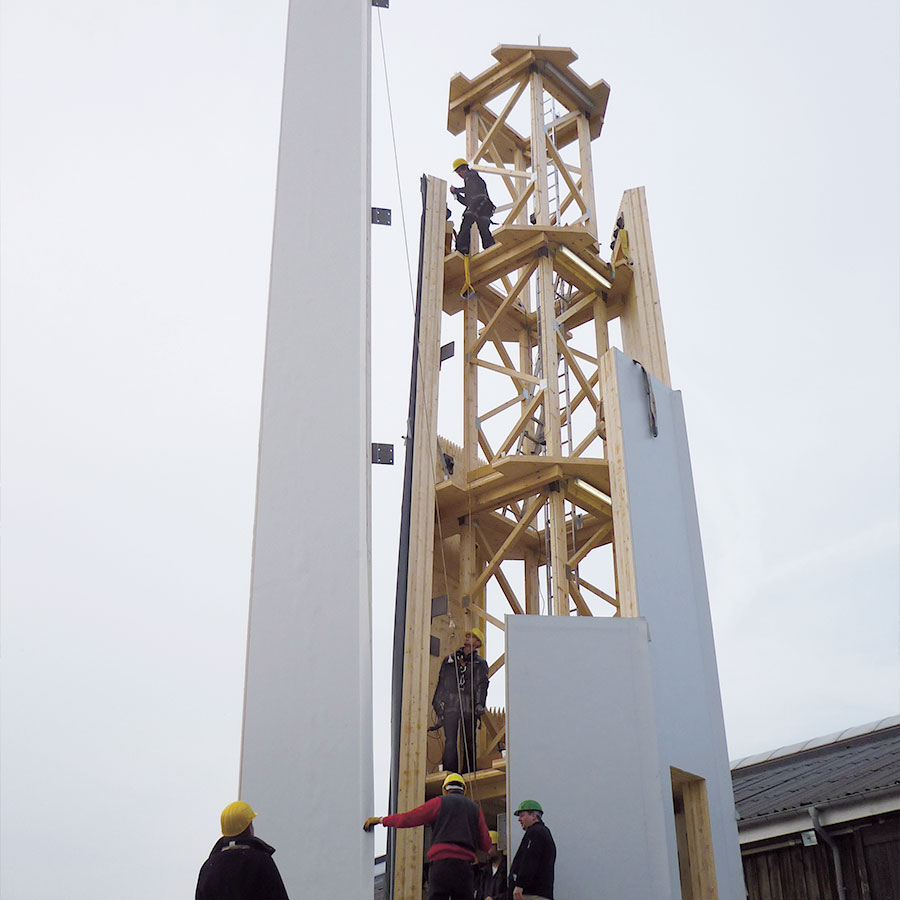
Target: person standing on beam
[459, 699]
[479, 209]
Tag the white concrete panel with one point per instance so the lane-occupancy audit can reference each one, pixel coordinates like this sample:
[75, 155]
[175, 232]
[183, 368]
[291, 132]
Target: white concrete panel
[306, 762]
[581, 730]
[672, 597]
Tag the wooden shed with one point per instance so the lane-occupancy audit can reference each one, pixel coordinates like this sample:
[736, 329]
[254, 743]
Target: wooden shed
[821, 820]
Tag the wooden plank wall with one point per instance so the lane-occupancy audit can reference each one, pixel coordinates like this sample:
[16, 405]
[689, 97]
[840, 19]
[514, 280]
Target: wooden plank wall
[870, 859]
[416, 659]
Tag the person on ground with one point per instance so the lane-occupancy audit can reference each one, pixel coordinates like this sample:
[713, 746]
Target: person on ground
[479, 209]
[240, 865]
[458, 830]
[531, 872]
[459, 700]
[490, 882]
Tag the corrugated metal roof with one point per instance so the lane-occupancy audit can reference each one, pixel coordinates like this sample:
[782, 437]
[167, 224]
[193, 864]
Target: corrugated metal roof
[851, 765]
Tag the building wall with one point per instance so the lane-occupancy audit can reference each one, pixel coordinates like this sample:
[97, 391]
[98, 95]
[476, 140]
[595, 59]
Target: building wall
[785, 869]
[581, 729]
[672, 596]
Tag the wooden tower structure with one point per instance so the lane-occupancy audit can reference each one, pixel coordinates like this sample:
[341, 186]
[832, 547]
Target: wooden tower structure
[528, 514]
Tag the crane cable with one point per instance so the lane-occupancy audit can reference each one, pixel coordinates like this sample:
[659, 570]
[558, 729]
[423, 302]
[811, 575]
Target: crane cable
[413, 300]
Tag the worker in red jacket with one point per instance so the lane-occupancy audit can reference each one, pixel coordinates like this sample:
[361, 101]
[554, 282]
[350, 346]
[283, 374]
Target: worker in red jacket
[458, 829]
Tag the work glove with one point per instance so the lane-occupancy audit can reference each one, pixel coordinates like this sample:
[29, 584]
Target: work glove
[479, 711]
[371, 822]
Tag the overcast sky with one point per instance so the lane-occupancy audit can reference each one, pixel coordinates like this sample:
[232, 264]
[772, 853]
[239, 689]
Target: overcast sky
[139, 146]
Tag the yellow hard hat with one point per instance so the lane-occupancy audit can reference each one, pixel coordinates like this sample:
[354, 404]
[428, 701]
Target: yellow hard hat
[476, 633]
[495, 838]
[458, 162]
[236, 817]
[453, 782]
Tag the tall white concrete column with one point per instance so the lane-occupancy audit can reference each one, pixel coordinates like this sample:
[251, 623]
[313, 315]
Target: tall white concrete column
[306, 762]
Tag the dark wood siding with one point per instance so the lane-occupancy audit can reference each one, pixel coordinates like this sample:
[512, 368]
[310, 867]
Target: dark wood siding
[786, 870]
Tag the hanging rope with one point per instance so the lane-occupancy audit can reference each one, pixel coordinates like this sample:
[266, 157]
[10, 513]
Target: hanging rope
[387, 88]
[470, 291]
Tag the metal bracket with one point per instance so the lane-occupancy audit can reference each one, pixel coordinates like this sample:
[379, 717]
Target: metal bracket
[384, 4]
[447, 350]
[381, 216]
[651, 400]
[435, 647]
[383, 454]
[439, 606]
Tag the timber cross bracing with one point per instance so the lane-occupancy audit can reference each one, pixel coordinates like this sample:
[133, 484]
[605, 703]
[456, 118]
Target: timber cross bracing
[514, 511]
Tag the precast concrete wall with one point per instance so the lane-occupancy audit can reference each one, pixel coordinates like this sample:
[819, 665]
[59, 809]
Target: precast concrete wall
[581, 728]
[672, 597]
[600, 710]
[306, 763]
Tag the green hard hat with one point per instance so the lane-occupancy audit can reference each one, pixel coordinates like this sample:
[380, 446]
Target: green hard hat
[529, 806]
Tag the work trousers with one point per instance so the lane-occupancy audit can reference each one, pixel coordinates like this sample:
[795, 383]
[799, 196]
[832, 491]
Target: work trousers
[451, 879]
[465, 230]
[450, 757]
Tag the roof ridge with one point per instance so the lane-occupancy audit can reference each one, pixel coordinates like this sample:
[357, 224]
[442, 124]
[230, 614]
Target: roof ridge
[813, 743]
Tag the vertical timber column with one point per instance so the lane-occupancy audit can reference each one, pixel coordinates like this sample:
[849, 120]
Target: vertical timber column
[587, 171]
[467, 556]
[473, 124]
[643, 337]
[415, 704]
[306, 754]
[623, 547]
[526, 360]
[601, 325]
[549, 354]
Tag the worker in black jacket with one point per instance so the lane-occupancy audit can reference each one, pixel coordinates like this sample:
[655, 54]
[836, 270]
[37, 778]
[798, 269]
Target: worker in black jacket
[459, 699]
[490, 881]
[531, 872]
[479, 209]
[240, 865]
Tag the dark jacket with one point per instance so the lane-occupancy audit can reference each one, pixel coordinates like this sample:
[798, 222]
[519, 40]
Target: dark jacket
[474, 195]
[240, 868]
[489, 883]
[532, 867]
[457, 822]
[463, 678]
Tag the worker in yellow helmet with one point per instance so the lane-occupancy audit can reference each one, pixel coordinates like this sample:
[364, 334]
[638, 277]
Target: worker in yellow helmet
[479, 209]
[458, 830]
[459, 700]
[490, 880]
[240, 864]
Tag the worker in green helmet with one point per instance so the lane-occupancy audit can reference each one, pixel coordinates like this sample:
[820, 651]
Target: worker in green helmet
[240, 864]
[459, 701]
[458, 830]
[479, 208]
[532, 869]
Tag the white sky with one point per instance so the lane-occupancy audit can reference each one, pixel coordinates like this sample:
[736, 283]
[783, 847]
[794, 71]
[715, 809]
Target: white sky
[138, 150]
